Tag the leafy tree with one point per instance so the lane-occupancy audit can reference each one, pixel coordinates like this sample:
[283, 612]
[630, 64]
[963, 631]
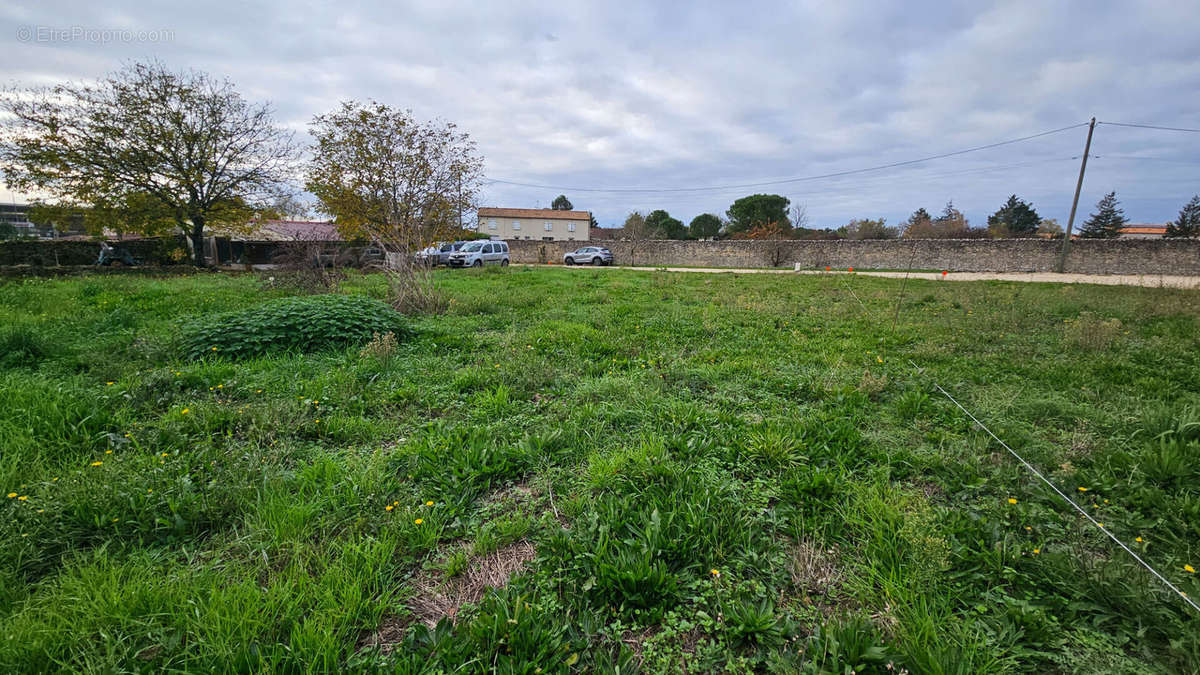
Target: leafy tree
[1051, 228]
[765, 232]
[870, 229]
[704, 226]
[561, 203]
[1188, 223]
[747, 212]
[187, 145]
[1107, 221]
[390, 178]
[951, 224]
[136, 212]
[1016, 218]
[662, 225]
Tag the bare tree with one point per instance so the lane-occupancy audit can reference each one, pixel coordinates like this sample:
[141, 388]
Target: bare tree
[309, 263]
[184, 144]
[389, 178]
[799, 216]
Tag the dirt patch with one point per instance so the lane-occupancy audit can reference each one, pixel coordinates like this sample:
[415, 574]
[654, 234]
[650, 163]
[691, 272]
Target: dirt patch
[636, 640]
[521, 493]
[815, 573]
[436, 598]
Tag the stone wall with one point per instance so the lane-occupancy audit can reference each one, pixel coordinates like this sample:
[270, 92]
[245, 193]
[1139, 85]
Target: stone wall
[159, 251]
[1087, 256]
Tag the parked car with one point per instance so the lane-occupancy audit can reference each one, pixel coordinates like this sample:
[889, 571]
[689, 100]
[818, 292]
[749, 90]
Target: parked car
[594, 255]
[480, 253]
[442, 257]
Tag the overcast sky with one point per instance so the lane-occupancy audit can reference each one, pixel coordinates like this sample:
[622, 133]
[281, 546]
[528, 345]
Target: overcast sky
[697, 95]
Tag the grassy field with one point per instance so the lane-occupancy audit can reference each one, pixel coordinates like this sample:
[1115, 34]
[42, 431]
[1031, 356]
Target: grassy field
[672, 473]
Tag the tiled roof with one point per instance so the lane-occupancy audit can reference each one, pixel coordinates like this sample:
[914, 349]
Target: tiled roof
[1144, 228]
[544, 214]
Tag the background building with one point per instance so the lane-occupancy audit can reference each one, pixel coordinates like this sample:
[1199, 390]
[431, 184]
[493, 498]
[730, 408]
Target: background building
[536, 224]
[1143, 231]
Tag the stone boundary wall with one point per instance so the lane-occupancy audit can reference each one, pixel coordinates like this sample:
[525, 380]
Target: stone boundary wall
[1087, 256]
[156, 251]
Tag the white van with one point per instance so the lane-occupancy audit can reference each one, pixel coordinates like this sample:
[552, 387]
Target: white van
[479, 253]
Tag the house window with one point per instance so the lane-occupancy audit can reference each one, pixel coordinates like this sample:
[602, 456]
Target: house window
[547, 238]
[492, 224]
[549, 226]
[516, 224]
[570, 227]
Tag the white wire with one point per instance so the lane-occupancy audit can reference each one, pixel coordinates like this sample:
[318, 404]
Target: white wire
[1060, 493]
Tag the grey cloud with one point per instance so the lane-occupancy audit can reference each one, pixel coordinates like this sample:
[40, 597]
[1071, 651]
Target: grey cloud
[702, 94]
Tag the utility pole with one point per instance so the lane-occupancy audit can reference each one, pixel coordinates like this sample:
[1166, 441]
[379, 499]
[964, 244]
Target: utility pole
[1087, 148]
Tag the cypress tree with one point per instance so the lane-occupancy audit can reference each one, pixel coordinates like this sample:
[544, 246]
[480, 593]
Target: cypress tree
[1107, 221]
[1188, 224]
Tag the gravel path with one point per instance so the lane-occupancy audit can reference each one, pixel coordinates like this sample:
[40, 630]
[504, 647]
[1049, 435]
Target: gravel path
[1149, 281]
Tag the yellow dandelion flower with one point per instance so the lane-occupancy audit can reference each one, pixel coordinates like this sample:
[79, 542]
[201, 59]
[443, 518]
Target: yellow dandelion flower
[220, 386]
[184, 411]
[41, 510]
[214, 349]
[429, 503]
[11, 495]
[1138, 540]
[258, 391]
[396, 503]
[317, 421]
[23, 498]
[163, 455]
[1012, 500]
[1028, 528]
[96, 463]
[1189, 569]
[109, 384]
[389, 507]
[1082, 489]
[715, 573]
[879, 359]
[418, 521]
[1099, 524]
[108, 452]
[1037, 551]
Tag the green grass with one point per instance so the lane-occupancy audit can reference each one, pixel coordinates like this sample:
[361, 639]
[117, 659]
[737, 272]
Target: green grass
[734, 472]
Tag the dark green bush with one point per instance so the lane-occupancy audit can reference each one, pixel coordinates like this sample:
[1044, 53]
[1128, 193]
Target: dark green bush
[299, 324]
[23, 346]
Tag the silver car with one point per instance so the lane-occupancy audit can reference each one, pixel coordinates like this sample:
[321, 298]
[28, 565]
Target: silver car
[589, 255]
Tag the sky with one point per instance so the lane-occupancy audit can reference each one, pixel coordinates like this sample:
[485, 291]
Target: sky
[641, 106]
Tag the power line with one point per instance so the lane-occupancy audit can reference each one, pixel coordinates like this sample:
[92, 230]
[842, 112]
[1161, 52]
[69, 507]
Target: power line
[840, 188]
[1149, 126]
[792, 180]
